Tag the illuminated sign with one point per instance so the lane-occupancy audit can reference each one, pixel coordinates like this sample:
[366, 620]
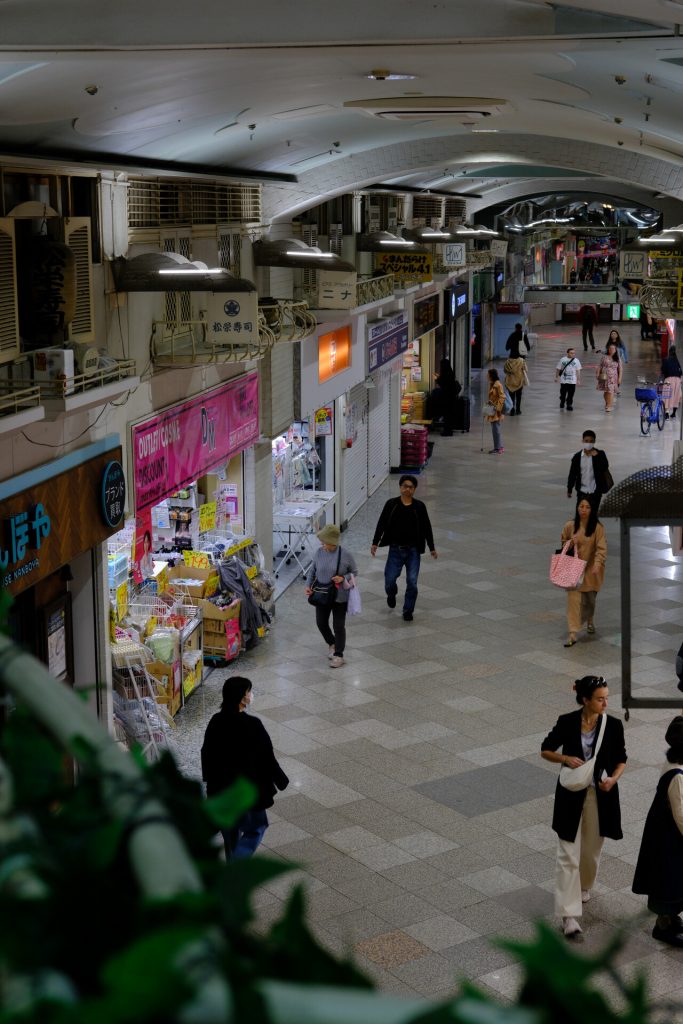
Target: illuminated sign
[334, 353]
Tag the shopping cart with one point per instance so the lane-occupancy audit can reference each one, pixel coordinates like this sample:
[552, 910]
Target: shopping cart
[651, 397]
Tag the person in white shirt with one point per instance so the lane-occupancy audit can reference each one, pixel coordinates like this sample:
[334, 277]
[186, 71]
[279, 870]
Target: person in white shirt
[568, 372]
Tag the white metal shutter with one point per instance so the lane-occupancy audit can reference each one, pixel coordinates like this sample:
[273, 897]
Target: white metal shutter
[9, 315]
[77, 237]
[379, 433]
[356, 457]
[276, 399]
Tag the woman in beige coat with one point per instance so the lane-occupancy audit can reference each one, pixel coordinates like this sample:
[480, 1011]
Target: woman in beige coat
[496, 399]
[515, 381]
[587, 535]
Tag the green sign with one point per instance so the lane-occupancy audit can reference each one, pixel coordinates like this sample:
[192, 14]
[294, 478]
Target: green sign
[633, 312]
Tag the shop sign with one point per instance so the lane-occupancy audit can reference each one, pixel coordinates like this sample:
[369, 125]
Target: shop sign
[334, 353]
[679, 293]
[632, 265]
[477, 258]
[415, 265]
[207, 516]
[499, 248]
[457, 301]
[233, 319]
[455, 254]
[387, 339]
[633, 311]
[187, 440]
[323, 421]
[113, 494]
[43, 527]
[336, 289]
[508, 307]
[665, 254]
[426, 315]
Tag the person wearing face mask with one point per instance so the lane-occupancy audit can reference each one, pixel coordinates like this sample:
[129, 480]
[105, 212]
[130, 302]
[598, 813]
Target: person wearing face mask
[236, 745]
[589, 472]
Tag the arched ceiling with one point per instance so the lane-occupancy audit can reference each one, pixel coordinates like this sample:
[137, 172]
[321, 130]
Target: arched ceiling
[503, 92]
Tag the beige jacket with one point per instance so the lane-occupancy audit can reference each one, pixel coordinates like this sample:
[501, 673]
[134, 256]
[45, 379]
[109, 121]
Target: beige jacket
[497, 400]
[593, 550]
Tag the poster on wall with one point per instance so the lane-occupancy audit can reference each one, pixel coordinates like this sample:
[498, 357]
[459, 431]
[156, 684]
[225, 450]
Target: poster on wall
[323, 421]
[415, 265]
[187, 440]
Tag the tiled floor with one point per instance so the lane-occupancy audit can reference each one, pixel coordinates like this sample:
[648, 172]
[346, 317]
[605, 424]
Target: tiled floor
[419, 808]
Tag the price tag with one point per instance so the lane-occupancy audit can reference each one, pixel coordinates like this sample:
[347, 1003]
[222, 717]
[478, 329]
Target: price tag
[207, 516]
[162, 580]
[196, 559]
[121, 601]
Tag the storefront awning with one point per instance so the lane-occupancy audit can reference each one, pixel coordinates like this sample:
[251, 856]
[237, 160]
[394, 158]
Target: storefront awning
[169, 272]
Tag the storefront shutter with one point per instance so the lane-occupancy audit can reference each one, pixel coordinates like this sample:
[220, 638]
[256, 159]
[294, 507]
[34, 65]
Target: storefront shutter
[379, 431]
[77, 237]
[276, 399]
[355, 465]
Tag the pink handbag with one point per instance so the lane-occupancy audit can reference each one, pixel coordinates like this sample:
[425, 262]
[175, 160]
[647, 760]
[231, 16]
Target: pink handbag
[567, 571]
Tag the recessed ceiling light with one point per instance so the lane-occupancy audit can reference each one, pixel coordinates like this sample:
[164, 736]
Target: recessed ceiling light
[385, 75]
[484, 131]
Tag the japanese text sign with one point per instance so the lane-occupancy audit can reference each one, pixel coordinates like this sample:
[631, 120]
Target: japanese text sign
[336, 289]
[232, 319]
[416, 265]
[188, 440]
[334, 353]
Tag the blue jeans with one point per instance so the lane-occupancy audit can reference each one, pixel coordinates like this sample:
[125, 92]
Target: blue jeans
[497, 436]
[398, 557]
[243, 840]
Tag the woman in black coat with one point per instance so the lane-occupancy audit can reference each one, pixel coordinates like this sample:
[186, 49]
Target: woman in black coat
[659, 871]
[236, 745]
[583, 819]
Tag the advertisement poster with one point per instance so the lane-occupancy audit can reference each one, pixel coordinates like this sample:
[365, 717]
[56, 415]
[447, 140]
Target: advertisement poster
[323, 421]
[143, 558]
[417, 266]
[189, 439]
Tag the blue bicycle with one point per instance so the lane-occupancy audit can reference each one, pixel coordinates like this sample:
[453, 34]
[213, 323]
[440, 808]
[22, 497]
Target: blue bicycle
[652, 409]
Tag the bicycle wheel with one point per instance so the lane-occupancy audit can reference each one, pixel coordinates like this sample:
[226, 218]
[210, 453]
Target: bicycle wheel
[645, 414]
[661, 414]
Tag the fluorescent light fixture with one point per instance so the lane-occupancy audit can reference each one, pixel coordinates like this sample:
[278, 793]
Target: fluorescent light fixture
[435, 234]
[312, 255]
[549, 220]
[677, 230]
[214, 271]
[484, 131]
[395, 241]
[657, 238]
[475, 231]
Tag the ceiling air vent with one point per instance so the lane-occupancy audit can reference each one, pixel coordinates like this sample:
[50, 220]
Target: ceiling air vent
[460, 109]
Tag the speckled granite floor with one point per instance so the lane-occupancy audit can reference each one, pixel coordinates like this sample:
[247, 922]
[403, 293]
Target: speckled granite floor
[419, 809]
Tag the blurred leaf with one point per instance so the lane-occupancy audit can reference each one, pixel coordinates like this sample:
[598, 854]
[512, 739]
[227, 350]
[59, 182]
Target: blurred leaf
[226, 809]
[235, 887]
[471, 1009]
[6, 602]
[146, 975]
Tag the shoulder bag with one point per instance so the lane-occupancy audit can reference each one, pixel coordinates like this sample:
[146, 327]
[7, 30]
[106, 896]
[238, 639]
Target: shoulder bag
[576, 779]
[324, 594]
[489, 410]
[566, 571]
[607, 481]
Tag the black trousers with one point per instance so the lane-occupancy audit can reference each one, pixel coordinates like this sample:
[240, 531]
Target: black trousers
[567, 395]
[322, 621]
[587, 332]
[516, 397]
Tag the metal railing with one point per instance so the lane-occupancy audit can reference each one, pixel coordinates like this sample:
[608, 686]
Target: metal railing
[15, 397]
[65, 387]
[287, 319]
[373, 289]
[187, 343]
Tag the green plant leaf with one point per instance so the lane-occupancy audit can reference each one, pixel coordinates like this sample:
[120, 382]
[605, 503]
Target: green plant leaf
[236, 884]
[226, 808]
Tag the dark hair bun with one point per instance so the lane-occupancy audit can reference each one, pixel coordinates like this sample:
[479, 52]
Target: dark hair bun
[674, 733]
[586, 687]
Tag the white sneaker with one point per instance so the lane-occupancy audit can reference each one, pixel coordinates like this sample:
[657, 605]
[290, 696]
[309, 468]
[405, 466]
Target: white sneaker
[336, 661]
[331, 653]
[570, 927]
[585, 895]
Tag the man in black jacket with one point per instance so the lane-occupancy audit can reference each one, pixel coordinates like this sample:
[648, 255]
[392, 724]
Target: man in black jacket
[589, 472]
[514, 342]
[405, 527]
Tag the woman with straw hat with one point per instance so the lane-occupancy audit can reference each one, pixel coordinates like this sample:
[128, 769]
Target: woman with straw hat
[327, 588]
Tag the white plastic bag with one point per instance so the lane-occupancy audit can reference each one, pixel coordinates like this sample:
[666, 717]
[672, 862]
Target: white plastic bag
[354, 605]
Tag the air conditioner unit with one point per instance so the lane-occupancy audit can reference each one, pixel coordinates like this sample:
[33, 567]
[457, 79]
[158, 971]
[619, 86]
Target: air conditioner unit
[461, 109]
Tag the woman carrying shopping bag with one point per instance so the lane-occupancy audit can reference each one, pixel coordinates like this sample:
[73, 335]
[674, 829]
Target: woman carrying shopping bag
[584, 818]
[587, 535]
[332, 567]
[493, 411]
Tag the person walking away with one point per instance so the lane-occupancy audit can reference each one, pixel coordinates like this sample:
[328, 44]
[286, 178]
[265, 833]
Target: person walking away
[494, 413]
[515, 340]
[608, 375]
[589, 318]
[448, 389]
[568, 373]
[584, 818]
[589, 472]
[587, 535]
[332, 567]
[515, 380]
[405, 528]
[236, 745]
[659, 869]
[671, 373]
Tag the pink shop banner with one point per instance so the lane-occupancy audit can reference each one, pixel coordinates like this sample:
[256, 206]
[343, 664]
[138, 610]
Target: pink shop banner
[189, 439]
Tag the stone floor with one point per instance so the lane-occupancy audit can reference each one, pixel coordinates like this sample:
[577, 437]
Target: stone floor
[419, 808]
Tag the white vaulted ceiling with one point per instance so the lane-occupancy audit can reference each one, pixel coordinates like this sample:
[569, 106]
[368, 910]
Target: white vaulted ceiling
[506, 93]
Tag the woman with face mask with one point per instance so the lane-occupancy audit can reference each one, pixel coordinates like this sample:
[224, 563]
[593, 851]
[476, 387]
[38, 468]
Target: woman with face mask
[587, 537]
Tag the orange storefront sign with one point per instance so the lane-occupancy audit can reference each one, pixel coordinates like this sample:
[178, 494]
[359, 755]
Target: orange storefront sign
[334, 353]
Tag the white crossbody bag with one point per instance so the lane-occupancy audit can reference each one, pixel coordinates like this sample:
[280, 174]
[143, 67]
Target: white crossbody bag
[580, 778]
